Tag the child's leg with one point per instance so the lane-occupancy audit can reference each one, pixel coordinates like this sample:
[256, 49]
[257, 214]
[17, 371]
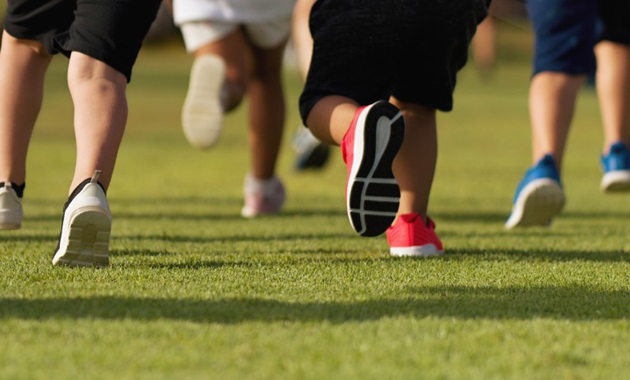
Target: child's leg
[370, 138]
[218, 79]
[232, 49]
[264, 192]
[613, 91]
[23, 66]
[414, 166]
[99, 95]
[552, 98]
[330, 118]
[301, 35]
[266, 110]
[559, 70]
[310, 152]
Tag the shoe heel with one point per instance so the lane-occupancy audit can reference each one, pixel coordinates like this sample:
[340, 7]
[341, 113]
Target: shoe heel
[88, 240]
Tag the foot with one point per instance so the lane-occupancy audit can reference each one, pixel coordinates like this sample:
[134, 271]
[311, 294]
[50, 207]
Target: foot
[369, 148]
[310, 152]
[616, 166]
[85, 227]
[202, 114]
[411, 236]
[262, 197]
[539, 196]
[10, 207]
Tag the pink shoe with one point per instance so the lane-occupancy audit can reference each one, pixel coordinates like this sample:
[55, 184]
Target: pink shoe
[369, 148]
[410, 236]
[262, 197]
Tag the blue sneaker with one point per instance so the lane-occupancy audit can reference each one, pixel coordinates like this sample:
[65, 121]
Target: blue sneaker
[539, 196]
[616, 167]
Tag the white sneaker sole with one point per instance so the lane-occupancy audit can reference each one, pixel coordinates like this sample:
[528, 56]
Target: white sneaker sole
[10, 210]
[202, 113]
[537, 204]
[617, 180]
[88, 239]
[9, 221]
[427, 250]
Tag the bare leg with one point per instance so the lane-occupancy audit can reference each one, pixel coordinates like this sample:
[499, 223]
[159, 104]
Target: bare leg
[301, 35]
[266, 110]
[613, 90]
[539, 195]
[233, 49]
[311, 153]
[99, 95]
[483, 44]
[23, 67]
[257, 72]
[217, 84]
[330, 118]
[415, 163]
[552, 99]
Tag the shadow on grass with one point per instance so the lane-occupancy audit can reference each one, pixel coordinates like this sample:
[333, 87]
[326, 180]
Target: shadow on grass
[485, 217]
[309, 246]
[313, 253]
[539, 255]
[209, 216]
[301, 254]
[238, 238]
[183, 238]
[573, 303]
[229, 209]
[499, 218]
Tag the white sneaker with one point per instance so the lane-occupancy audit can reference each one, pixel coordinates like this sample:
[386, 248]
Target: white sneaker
[202, 114]
[262, 197]
[10, 208]
[85, 228]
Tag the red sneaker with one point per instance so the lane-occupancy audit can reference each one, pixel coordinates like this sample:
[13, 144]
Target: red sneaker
[369, 147]
[410, 236]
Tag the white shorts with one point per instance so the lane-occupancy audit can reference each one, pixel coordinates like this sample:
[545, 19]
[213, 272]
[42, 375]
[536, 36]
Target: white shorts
[264, 35]
[242, 11]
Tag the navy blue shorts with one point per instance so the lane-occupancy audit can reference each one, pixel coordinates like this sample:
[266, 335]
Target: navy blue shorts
[107, 30]
[368, 50]
[566, 32]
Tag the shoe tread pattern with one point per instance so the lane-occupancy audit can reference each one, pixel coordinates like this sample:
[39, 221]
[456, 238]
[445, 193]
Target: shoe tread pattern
[374, 194]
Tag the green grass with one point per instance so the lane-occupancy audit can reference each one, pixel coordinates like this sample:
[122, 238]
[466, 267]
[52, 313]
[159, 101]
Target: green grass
[195, 291]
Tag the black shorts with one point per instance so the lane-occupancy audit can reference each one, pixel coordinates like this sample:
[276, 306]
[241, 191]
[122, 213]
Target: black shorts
[110, 31]
[368, 50]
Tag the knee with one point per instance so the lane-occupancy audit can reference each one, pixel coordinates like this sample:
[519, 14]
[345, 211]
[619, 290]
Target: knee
[83, 68]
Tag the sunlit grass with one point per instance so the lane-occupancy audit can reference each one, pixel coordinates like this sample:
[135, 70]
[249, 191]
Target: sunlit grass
[195, 291]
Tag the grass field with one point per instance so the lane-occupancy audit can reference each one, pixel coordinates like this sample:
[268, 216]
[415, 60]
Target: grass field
[194, 291]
